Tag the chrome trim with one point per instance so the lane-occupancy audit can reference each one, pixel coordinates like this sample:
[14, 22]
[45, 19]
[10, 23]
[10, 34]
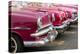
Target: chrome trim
[60, 16]
[50, 37]
[73, 20]
[67, 14]
[66, 22]
[53, 17]
[60, 27]
[74, 14]
[21, 28]
[14, 44]
[49, 18]
[41, 32]
[44, 26]
[34, 43]
[39, 22]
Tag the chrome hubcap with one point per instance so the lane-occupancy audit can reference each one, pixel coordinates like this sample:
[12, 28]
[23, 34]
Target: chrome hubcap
[13, 45]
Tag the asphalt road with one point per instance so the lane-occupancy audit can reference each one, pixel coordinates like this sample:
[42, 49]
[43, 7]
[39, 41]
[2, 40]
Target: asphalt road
[66, 41]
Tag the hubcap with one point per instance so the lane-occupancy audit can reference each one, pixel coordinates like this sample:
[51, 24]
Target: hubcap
[13, 45]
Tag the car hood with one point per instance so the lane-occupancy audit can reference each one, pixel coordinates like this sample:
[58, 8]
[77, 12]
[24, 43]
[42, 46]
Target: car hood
[33, 14]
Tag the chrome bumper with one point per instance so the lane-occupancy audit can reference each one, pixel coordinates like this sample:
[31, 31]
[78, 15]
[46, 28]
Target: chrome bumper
[66, 22]
[34, 43]
[73, 20]
[50, 37]
[42, 32]
[63, 27]
[60, 27]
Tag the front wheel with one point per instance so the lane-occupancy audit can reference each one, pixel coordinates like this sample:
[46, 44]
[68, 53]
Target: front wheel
[15, 44]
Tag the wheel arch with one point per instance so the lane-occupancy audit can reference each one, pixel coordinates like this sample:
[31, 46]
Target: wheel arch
[17, 35]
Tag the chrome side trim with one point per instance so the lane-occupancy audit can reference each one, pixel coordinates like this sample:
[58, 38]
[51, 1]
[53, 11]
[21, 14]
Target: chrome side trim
[21, 28]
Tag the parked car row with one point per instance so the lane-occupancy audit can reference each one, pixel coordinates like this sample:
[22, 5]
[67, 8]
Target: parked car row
[36, 26]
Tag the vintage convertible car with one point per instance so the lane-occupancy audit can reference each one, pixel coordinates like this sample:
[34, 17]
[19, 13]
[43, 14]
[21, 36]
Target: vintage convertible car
[28, 28]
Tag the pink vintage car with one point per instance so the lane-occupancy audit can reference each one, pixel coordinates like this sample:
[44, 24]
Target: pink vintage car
[72, 12]
[28, 28]
[59, 19]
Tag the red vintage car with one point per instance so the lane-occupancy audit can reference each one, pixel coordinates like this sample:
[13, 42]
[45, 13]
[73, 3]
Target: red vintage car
[28, 28]
[59, 19]
[72, 12]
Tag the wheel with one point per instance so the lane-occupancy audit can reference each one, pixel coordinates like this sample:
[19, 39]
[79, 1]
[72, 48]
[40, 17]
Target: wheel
[15, 44]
